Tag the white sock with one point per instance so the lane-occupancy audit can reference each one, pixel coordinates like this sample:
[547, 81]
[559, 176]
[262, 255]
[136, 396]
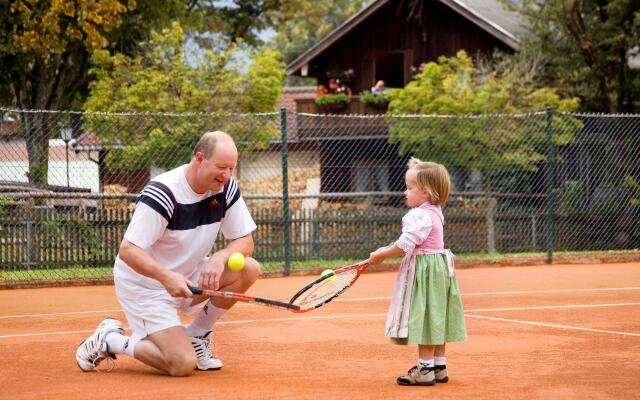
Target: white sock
[425, 363]
[119, 344]
[205, 320]
[440, 360]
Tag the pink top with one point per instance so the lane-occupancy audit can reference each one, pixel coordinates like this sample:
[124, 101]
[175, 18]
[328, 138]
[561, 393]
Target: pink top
[422, 229]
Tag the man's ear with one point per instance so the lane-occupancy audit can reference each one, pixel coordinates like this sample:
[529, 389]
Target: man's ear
[198, 156]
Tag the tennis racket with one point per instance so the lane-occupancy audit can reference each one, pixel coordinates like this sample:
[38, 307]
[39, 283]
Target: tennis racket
[327, 287]
[246, 298]
[315, 294]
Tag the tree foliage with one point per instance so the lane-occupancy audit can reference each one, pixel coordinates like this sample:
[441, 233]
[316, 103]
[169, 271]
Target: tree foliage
[309, 21]
[587, 45]
[160, 80]
[44, 57]
[478, 139]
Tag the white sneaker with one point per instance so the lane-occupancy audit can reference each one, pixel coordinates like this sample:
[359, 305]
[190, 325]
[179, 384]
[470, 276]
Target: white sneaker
[202, 346]
[93, 349]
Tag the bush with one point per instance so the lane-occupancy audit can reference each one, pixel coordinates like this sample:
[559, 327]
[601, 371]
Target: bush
[375, 99]
[331, 99]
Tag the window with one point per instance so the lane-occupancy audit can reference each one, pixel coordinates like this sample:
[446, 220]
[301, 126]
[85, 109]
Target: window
[370, 176]
[389, 67]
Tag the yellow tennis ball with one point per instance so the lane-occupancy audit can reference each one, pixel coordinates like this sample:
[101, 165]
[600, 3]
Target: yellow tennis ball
[236, 261]
[329, 272]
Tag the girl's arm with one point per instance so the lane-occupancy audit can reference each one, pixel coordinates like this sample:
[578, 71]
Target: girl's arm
[383, 253]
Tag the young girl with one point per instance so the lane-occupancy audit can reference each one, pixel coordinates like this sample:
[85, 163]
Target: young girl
[426, 308]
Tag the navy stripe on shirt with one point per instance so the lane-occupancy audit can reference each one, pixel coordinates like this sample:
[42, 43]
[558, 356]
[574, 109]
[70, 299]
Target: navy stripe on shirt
[232, 193]
[189, 216]
[204, 212]
[160, 198]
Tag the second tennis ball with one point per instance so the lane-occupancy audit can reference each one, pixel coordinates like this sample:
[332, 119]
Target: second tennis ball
[236, 261]
[329, 272]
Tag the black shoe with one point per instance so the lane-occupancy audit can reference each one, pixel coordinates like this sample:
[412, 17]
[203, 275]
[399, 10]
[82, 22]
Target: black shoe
[441, 373]
[418, 376]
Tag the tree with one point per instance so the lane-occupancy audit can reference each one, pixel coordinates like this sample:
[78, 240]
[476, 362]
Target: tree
[45, 47]
[454, 86]
[588, 45]
[44, 58]
[503, 148]
[244, 20]
[310, 21]
[160, 80]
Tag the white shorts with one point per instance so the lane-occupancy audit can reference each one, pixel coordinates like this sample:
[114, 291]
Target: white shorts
[151, 310]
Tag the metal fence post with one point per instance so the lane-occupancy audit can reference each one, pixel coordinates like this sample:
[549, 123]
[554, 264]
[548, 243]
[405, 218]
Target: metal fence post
[285, 193]
[549, 178]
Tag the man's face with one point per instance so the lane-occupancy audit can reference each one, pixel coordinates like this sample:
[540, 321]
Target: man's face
[214, 172]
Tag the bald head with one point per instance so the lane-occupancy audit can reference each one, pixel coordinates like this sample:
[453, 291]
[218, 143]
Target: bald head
[207, 143]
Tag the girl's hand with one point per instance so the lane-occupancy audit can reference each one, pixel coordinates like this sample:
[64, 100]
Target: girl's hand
[377, 256]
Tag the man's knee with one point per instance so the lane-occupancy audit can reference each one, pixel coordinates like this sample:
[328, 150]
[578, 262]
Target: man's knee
[251, 271]
[182, 364]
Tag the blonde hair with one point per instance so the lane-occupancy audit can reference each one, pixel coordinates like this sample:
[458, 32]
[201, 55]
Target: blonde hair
[432, 178]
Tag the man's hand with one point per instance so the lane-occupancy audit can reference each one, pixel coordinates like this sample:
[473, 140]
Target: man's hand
[212, 271]
[176, 284]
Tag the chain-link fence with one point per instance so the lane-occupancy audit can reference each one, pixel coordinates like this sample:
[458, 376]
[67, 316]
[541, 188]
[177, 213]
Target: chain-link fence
[530, 183]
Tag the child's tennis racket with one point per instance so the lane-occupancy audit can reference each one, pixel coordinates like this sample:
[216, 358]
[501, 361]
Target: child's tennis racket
[328, 287]
[314, 295]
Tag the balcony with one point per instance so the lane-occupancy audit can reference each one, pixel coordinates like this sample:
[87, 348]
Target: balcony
[353, 121]
[356, 106]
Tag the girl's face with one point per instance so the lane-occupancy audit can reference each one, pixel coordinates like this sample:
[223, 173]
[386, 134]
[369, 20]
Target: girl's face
[415, 196]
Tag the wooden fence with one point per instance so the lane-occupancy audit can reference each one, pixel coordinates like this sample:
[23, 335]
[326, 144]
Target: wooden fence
[39, 238]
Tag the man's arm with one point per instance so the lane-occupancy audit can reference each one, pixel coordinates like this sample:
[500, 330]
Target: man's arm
[211, 273]
[140, 261]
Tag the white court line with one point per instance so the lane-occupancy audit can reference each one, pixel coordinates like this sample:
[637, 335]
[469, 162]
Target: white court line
[510, 293]
[551, 291]
[555, 307]
[249, 321]
[568, 327]
[60, 313]
[344, 300]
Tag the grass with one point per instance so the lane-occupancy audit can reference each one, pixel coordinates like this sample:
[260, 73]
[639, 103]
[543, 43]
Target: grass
[65, 273]
[496, 255]
[106, 271]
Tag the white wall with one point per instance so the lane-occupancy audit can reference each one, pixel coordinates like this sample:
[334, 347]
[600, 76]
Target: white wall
[82, 174]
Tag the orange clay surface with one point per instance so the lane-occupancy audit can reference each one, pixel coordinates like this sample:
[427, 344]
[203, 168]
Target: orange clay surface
[539, 332]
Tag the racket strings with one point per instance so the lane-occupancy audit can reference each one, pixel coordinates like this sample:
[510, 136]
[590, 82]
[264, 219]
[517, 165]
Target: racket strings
[326, 289]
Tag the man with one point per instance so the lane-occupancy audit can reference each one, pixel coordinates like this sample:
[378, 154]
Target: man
[177, 218]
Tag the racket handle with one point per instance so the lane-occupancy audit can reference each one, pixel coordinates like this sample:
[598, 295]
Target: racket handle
[195, 289]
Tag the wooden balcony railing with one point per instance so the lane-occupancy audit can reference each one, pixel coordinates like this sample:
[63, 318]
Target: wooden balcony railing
[331, 124]
[356, 106]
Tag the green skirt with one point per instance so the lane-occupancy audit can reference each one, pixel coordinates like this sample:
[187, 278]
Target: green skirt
[436, 315]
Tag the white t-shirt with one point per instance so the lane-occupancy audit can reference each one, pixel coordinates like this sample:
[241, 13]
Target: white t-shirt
[178, 227]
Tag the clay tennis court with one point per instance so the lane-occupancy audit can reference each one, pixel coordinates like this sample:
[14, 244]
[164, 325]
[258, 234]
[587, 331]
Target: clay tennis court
[540, 332]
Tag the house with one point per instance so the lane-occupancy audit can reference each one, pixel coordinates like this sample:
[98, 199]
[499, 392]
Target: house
[388, 40]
